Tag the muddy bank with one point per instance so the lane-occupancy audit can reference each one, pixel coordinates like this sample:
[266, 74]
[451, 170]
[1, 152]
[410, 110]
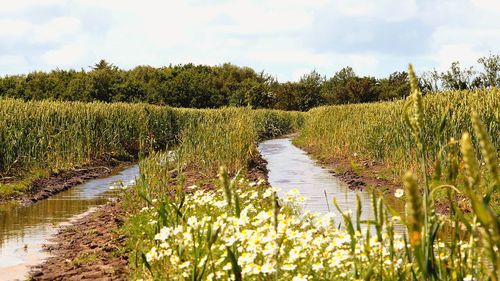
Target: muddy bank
[257, 168]
[368, 174]
[43, 188]
[88, 249]
[91, 248]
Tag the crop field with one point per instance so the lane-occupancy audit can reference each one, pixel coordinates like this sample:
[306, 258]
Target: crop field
[38, 138]
[250, 140]
[380, 132]
[241, 230]
[197, 212]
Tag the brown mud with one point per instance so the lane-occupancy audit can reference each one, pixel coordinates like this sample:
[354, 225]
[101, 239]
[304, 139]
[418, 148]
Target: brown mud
[369, 175]
[257, 168]
[45, 187]
[88, 249]
[91, 248]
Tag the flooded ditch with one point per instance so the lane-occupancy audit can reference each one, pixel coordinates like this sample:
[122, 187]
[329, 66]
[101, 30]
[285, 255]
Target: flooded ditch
[290, 167]
[24, 229]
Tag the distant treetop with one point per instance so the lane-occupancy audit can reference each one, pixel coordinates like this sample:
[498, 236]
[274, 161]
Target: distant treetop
[203, 86]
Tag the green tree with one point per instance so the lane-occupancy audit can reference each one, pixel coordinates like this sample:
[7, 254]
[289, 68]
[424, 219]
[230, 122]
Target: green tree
[430, 81]
[308, 91]
[362, 89]
[396, 86]
[334, 90]
[104, 78]
[457, 79]
[260, 95]
[285, 94]
[491, 75]
[79, 88]
[203, 86]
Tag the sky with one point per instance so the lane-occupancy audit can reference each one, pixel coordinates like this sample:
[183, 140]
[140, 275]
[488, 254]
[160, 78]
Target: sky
[285, 38]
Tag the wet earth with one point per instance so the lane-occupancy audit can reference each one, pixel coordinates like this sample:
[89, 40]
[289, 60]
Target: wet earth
[25, 228]
[290, 167]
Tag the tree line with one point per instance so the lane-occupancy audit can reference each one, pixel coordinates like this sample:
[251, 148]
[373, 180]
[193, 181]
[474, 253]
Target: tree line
[202, 86]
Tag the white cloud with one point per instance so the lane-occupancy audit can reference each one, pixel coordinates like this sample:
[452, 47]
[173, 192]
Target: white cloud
[56, 29]
[301, 57]
[52, 31]
[14, 28]
[279, 36]
[298, 73]
[12, 6]
[487, 5]
[13, 64]
[390, 10]
[457, 52]
[67, 55]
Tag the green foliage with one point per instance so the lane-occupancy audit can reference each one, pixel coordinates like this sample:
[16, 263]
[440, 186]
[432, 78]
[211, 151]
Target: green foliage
[58, 135]
[491, 75]
[238, 231]
[202, 86]
[456, 78]
[53, 135]
[378, 132]
[395, 87]
[17, 187]
[211, 138]
[345, 87]
[193, 86]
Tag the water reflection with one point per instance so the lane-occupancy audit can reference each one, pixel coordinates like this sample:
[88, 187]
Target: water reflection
[23, 230]
[290, 167]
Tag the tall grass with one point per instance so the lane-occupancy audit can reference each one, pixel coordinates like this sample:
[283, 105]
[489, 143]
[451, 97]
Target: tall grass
[212, 138]
[378, 131]
[241, 231]
[51, 136]
[59, 135]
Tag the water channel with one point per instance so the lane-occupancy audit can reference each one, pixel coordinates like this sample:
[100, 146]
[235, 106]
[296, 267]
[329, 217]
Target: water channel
[290, 167]
[24, 229]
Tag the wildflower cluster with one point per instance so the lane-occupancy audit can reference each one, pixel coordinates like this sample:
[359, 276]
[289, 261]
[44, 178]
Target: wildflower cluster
[209, 241]
[241, 230]
[301, 246]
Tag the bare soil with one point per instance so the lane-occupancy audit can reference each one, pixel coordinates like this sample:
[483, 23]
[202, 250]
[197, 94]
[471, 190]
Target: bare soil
[368, 174]
[89, 249]
[43, 188]
[257, 168]
[92, 249]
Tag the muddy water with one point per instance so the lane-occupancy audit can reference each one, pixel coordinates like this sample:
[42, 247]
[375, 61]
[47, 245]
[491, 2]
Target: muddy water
[23, 230]
[290, 167]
